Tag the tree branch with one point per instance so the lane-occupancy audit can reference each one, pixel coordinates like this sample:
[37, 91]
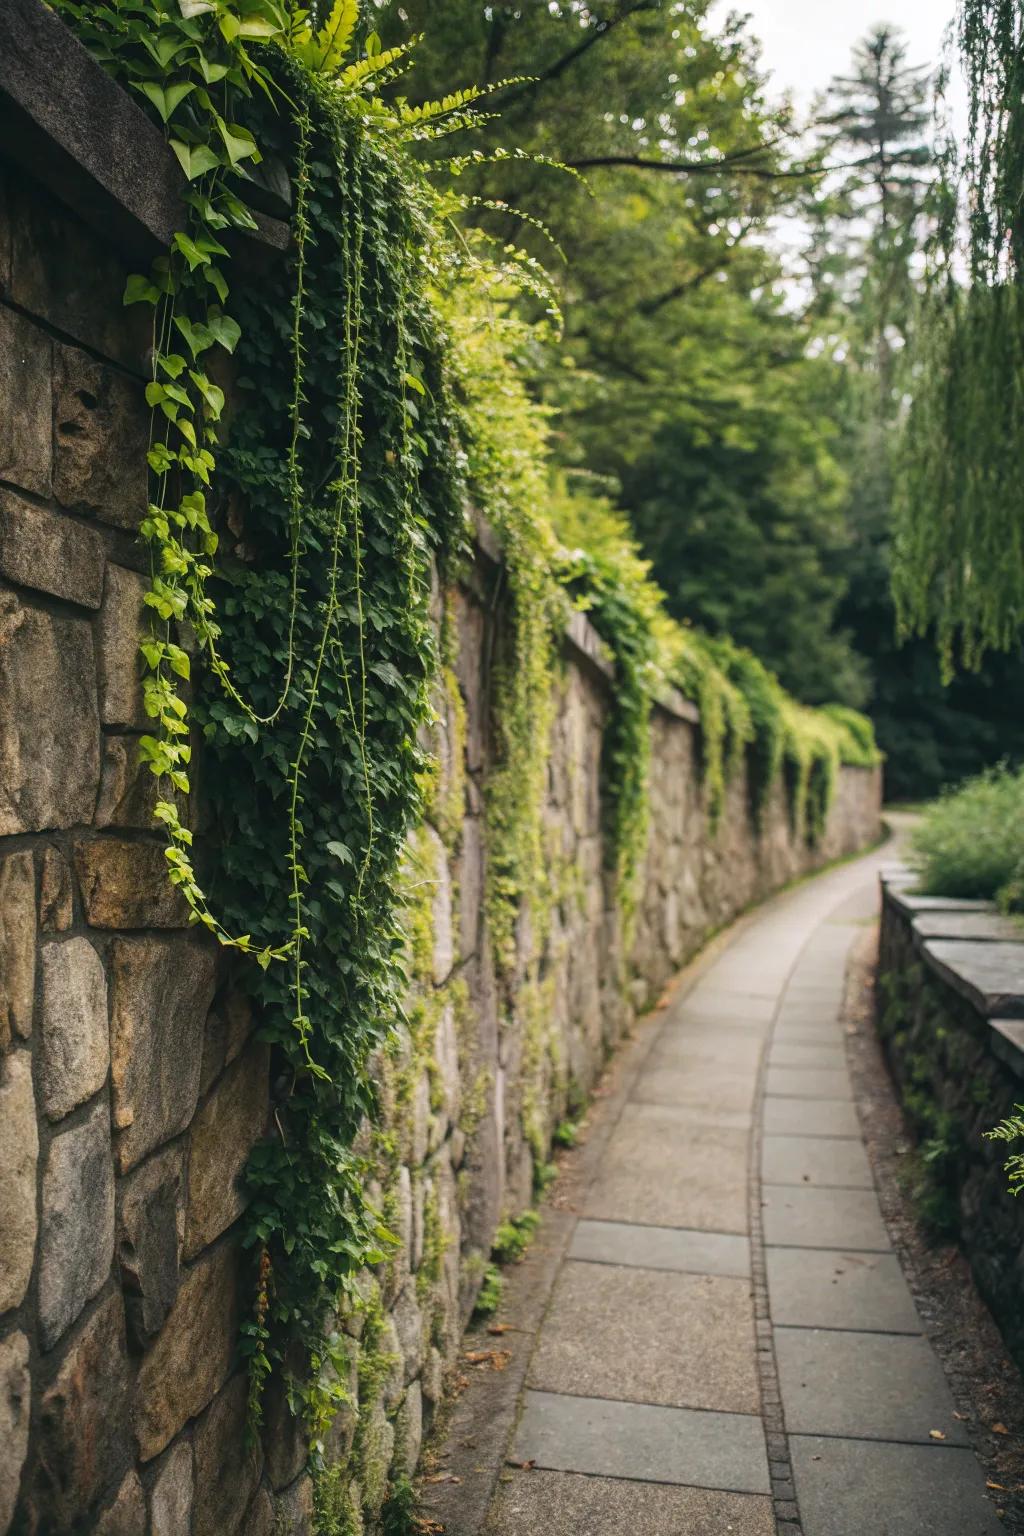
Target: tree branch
[727, 165]
[558, 68]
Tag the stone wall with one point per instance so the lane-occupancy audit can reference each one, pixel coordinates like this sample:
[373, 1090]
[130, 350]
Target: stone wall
[951, 1018]
[131, 1088]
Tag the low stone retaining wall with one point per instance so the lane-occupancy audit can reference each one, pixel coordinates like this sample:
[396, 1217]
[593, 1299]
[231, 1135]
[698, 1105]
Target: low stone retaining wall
[951, 1017]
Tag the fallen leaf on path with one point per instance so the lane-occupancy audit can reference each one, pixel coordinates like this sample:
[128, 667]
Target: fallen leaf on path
[443, 1477]
[999, 1429]
[500, 1328]
[524, 1466]
[999, 1487]
[937, 1434]
[497, 1359]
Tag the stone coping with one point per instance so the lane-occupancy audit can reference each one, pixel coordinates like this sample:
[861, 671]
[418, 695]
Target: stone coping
[74, 130]
[975, 951]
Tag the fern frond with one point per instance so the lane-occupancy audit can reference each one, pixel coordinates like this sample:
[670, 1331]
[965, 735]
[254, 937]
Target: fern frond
[497, 205]
[1010, 1129]
[372, 65]
[429, 110]
[334, 37]
[456, 164]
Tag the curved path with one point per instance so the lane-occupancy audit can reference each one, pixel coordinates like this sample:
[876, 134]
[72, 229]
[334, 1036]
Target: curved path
[730, 1345]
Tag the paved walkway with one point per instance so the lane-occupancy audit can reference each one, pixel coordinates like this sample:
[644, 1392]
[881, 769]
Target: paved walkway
[730, 1345]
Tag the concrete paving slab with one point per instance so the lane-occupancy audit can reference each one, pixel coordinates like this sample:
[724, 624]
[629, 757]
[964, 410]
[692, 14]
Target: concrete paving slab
[869, 1386]
[820, 1160]
[649, 1336]
[733, 1048]
[803, 1053]
[715, 1089]
[823, 1218]
[539, 1503]
[696, 1253]
[743, 1007]
[687, 1016]
[864, 1488]
[836, 1289]
[810, 1117]
[673, 1167]
[808, 1083]
[829, 1035]
[643, 1443]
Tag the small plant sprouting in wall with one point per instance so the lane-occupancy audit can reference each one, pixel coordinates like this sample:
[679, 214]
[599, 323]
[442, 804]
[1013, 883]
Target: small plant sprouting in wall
[1009, 1130]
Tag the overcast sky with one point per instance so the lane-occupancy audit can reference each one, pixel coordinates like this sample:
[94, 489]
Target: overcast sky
[806, 42]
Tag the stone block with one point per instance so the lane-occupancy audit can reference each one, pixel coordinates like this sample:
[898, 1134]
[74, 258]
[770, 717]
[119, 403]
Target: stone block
[84, 1436]
[128, 790]
[170, 1501]
[408, 1321]
[261, 1519]
[76, 1244]
[76, 1036]
[49, 728]
[124, 885]
[285, 1446]
[226, 1468]
[101, 430]
[25, 393]
[228, 1026]
[19, 1154]
[192, 1354]
[61, 272]
[56, 895]
[161, 991]
[122, 626]
[17, 946]
[127, 1515]
[15, 1406]
[50, 552]
[150, 1233]
[408, 1433]
[295, 1507]
[222, 1135]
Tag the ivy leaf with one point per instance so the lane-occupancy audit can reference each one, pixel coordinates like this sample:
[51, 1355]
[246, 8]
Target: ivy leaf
[190, 8]
[341, 852]
[211, 393]
[166, 98]
[197, 336]
[195, 159]
[414, 383]
[140, 290]
[172, 364]
[224, 330]
[160, 458]
[191, 251]
[238, 142]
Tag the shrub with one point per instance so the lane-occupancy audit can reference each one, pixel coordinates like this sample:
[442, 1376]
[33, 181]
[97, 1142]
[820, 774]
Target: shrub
[971, 841]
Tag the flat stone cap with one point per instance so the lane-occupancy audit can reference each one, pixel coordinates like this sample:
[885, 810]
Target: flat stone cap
[990, 975]
[1008, 1044]
[910, 902]
[984, 927]
[73, 129]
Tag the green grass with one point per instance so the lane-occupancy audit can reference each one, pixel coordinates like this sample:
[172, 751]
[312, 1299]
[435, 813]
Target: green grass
[970, 842]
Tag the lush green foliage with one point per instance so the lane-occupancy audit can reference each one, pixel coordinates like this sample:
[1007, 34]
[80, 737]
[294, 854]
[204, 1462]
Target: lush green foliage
[971, 841]
[959, 546]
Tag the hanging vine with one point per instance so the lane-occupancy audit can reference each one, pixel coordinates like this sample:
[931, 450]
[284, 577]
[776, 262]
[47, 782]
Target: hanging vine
[959, 547]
